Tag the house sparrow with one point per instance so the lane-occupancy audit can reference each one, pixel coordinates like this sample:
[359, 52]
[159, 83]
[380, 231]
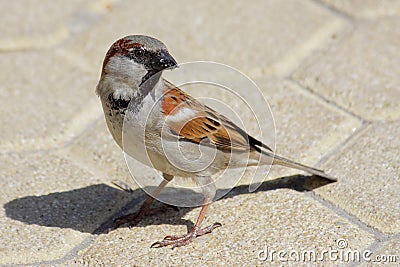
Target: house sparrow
[131, 84]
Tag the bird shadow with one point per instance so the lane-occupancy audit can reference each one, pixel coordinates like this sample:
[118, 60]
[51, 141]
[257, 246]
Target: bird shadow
[92, 209]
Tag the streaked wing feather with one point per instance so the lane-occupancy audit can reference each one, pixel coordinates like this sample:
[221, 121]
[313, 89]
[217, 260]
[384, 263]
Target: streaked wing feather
[204, 123]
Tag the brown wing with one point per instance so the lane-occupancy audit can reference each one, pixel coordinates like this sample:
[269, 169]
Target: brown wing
[196, 122]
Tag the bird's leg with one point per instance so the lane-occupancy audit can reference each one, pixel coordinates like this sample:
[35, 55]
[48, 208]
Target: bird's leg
[182, 240]
[134, 218]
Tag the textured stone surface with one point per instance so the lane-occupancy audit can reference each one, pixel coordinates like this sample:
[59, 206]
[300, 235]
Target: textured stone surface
[366, 8]
[96, 150]
[274, 32]
[280, 219]
[369, 174]
[297, 115]
[49, 205]
[359, 71]
[30, 25]
[386, 255]
[40, 102]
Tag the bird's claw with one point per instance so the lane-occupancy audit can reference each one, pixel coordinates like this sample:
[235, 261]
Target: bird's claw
[182, 240]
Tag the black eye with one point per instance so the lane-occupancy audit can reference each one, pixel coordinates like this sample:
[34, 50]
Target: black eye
[139, 52]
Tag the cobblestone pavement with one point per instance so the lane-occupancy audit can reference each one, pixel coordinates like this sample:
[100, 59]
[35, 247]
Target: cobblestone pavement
[329, 69]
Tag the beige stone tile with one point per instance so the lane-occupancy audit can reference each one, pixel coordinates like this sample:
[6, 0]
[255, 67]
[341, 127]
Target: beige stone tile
[301, 119]
[262, 36]
[32, 25]
[306, 127]
[281, 220]
[387, 255]
[366, 8]
[40, 95]
[96, 150]
[29, 18]
[359, 71]
[49, 206]
[368, 171]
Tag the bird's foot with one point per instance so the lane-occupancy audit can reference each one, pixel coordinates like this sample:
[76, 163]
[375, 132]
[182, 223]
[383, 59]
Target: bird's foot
[182, 240]
[134, 218]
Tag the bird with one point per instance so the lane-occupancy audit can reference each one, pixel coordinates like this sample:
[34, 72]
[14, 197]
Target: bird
[133, 91]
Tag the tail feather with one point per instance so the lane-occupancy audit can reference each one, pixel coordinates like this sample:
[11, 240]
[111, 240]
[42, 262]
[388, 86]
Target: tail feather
[292, 164]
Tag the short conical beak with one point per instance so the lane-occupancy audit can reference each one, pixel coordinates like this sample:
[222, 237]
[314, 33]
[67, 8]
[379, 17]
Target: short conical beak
[163, 61]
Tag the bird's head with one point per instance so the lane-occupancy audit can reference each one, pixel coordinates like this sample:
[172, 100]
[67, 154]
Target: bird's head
[136, 58]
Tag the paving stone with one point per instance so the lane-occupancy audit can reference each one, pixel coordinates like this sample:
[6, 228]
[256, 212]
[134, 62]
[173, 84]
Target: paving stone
[387, 255]
[366, 8]
[280, 219]
[368, 171]
[40, 95]
[359, 70]
[49, 206]
[32, 26]
[96, 150]
[267, 36]
[306, 127]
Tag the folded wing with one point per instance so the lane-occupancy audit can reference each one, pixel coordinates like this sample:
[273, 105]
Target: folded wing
[193, 121]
